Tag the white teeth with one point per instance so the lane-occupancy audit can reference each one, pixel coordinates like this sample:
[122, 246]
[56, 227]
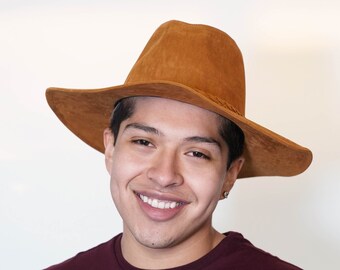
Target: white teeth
[158, 204]
[154, 203]
[173, 205]
[161, 205]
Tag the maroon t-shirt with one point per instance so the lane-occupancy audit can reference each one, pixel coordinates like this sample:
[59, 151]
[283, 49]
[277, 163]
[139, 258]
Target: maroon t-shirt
[233, 252]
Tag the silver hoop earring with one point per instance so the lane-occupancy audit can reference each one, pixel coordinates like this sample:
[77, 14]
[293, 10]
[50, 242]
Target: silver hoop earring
[225, 194]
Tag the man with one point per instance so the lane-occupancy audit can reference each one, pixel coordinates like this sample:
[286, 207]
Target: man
[175, 143]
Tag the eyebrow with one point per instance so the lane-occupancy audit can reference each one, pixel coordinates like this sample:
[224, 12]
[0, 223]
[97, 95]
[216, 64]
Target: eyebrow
[198, 139]
[145, 128]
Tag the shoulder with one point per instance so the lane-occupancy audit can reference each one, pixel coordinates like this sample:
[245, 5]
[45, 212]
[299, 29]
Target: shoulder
[99, 257]
[245, 255]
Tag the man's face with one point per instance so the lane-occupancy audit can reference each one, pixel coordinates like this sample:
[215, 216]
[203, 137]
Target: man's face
[168, 171]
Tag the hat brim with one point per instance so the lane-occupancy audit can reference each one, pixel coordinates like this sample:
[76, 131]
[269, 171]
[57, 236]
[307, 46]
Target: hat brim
[87, 113]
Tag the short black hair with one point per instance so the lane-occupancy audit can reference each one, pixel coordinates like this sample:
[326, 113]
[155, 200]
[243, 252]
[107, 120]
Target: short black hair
[229, 131]
[123, 109]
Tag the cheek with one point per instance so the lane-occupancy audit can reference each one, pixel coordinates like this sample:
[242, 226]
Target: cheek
[207, 186]
[124, 169]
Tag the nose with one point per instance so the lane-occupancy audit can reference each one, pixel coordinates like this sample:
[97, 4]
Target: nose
[165, 169]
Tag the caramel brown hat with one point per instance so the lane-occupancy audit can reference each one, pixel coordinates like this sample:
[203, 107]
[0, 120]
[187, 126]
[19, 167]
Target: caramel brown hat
[196, 64]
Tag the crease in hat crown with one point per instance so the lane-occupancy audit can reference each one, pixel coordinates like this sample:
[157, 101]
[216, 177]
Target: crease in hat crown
[196, 64]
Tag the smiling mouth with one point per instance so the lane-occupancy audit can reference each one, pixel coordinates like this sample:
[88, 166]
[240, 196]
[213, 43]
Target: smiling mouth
[160, 204]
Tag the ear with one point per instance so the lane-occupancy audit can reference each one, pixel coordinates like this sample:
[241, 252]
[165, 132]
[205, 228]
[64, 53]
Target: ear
[109, 147]
[232, 174]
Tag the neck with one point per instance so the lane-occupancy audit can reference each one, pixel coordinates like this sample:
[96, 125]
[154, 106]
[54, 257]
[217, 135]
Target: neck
[187, 251]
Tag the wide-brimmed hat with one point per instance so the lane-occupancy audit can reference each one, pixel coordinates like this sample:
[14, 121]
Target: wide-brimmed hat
[195, 64]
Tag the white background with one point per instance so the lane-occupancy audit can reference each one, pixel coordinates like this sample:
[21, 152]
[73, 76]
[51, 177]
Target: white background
[54, 190]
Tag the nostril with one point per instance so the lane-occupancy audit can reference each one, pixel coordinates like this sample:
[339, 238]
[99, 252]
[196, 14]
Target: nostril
[164, 178]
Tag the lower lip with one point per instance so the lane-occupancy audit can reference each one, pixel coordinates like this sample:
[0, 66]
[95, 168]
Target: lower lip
[157, 214]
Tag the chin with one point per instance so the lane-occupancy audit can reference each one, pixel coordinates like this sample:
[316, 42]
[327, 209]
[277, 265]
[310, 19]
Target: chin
[155, 240]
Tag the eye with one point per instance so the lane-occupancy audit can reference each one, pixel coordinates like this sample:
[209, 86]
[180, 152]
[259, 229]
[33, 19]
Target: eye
[142, 142]
[198, 155]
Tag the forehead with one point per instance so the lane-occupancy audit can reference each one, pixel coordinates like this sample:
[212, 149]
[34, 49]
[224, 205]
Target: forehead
[141, 104]
[164, 110]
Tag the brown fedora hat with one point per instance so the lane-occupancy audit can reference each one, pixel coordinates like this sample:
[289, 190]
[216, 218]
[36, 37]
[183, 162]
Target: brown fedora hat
[196, 64]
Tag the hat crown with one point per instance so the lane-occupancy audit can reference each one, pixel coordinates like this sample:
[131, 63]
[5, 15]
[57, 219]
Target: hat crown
[198, 56]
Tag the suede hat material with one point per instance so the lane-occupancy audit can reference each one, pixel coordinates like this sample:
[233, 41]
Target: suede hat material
[195, 64]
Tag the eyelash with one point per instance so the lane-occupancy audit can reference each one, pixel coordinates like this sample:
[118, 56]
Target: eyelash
[197, 154]
[142, 142]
